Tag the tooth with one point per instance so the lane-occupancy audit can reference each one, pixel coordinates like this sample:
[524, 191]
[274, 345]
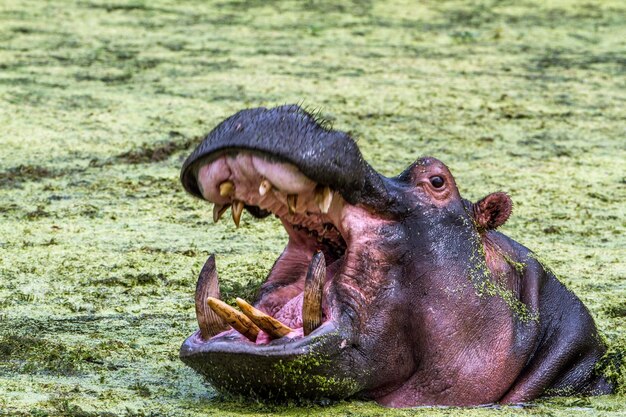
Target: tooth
[264, 187]
[210, 323]
[266, 323]
[237, 210]
[313, 288]
[236, 319]
[292, 202]
[218, 210]
[227, 188]
[324, 198]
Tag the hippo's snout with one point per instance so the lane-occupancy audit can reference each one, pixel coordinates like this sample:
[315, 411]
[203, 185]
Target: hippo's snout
[297, 340]
[291, 135]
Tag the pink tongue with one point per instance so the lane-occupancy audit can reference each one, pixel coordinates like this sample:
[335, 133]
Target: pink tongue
[290, 315]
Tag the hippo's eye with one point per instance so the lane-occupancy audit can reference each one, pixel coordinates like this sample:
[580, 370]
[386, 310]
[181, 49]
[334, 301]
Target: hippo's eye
[436, 181]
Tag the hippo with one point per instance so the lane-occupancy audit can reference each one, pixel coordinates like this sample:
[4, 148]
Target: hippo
[391, 289]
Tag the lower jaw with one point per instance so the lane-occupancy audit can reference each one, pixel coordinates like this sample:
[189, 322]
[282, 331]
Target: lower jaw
[314, 367]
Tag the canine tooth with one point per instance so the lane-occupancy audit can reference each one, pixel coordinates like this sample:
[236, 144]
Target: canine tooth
[208, 286]
[264, 187]
[218, 210]
[266, 323]
[324, 198]
[236, 211]
[313, 289]
[292, 202]
[227, 188]
[236, 319]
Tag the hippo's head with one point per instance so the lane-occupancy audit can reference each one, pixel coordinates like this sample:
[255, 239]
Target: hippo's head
[385, 288]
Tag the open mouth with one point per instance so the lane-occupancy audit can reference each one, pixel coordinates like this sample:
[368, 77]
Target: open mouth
[296, 300]
[300, 337]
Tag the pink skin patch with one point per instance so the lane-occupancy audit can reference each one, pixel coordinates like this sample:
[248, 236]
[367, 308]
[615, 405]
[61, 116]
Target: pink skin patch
[290, 315]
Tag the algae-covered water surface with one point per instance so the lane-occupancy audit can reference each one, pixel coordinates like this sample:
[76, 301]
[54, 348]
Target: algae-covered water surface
[100, 102]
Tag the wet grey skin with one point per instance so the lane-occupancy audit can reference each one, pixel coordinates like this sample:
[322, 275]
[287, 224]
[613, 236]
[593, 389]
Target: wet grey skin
[395, 289]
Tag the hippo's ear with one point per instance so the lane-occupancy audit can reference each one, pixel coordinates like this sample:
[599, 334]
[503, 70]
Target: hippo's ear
[492, 211]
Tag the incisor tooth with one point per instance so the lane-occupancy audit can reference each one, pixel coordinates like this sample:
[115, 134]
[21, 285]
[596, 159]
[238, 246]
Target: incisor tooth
[264, 187]
[208, 286]
[266, 323]
[292, 202]
[227, 188]
[313, 289]
[218, 210]
[237, 210]
[324, 198]
[236, 319]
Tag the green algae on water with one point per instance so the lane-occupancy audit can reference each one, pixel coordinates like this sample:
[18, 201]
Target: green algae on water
[101, 101]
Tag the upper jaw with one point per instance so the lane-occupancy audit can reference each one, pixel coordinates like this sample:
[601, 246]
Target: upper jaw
[290, 134]
[253, 180]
